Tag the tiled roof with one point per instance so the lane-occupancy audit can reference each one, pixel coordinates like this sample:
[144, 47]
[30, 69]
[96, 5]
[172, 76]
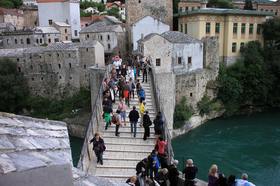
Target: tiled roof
[15, 12]
[101, 27]
[27, 143]
[47, 30]
[178, 37]
[221, 11]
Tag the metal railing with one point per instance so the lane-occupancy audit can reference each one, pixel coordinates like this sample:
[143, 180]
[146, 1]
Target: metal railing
[157, 95]
[93, 127]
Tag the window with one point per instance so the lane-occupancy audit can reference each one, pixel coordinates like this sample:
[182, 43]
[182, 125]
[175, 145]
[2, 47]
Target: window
[186, 28]
[87, 36]
[65, 30]
[85, 66]
[28, 41]
[41, 67]
[50, 22]
[15, 41]
[242, 46]
[243, 28]
[17, 59]
[59, 66]
[19, 69]
[59, 77]
[37, 41]
[57, 54]
[101, 38]
[208, 28]
[235, 27]
[75, 32]
[87, 49]
[108, 37]
[187, 8]
[217, 28]
[42, 78]
[198, 7]
[233, 47]
[158, 62]
[139, 1]
[7, 41]
[50, 40]
[31, 67]
[181, 27]
[259, 29]
[21, 41]
[70, 66]
[41, 40]
[70, 77]
[66, 38]
[109, 47]
[181, 9]
[32, 79]
[86, 24]
[251, 28]
[179, 60]
[191, 94]
[189, 60]
[56, 40]
[69, 55]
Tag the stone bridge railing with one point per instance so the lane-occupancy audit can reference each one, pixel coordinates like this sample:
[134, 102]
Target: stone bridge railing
[87, 159]
[159, 107]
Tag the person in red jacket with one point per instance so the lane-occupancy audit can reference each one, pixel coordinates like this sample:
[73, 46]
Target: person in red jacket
[160, 147]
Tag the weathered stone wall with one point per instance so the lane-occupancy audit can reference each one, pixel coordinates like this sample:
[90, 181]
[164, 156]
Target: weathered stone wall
[193, 85]
[160, 9]
[57, 71]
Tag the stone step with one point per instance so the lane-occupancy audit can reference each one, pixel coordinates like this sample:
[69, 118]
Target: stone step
[126, 134]
[108, 162]
[137, 141]
[121, 147]
[128, 129]
[121, 155]
[115, 172]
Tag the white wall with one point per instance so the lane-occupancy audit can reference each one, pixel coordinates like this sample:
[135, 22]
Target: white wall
[193, 50]
[60, 12]
[145, 26]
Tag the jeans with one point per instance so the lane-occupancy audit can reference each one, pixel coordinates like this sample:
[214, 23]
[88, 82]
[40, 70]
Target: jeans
[117, 130]
[99, 156]
[133, 125]
[144, 76]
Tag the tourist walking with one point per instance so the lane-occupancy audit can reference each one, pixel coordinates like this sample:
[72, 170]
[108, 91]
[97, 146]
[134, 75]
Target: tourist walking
[162, 178]
[190, 172]
[98, 147]
[158, 124]
[141, 94]
[173, 173]
[123, 71]
[126, 93]
[122, 109]
[116, 119]
[107, 110]
[138, 87]
[142, 111]
[231, 180]
[141, 171]
[154, 164]
[146, 124]
[133, 118]
[213, 175]
[161, 146]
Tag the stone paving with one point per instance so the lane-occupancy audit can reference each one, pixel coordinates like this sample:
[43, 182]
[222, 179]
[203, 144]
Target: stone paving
[124, 152]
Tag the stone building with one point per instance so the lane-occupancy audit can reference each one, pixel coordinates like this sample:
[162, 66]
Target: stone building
[30, 15]
[64, 30]
[110, 34]
[13, 16]
[172, 51]
[59, 69]
[29, 38]
[67, 11]
[233, 27]
[137, 9]
[189, 5]
[145, 26]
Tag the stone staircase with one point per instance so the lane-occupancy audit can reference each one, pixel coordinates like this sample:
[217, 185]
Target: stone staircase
[124, 152]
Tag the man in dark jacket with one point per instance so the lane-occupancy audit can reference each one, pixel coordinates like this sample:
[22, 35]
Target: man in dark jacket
[173, 173]
[133, 117]
[146, 124]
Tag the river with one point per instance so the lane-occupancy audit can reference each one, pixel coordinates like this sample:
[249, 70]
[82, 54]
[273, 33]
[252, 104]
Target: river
[76, 147]
[238, 144]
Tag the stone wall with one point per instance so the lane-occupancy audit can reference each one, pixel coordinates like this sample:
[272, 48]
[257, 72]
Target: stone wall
[194, 85]
[56, 71]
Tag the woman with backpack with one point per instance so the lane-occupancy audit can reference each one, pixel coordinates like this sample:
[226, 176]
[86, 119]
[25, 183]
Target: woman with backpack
[98, 147]
[116, 119]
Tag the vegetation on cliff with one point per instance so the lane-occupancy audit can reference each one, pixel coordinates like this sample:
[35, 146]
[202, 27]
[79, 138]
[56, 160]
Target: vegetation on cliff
[15, 97]
[182, 113]
[253, 81]
[10, 3]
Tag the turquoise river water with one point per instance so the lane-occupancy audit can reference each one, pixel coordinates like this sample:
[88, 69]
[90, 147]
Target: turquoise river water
[238, 144]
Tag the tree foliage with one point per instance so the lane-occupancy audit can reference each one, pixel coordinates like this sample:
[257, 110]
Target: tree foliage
[114, 12]
[10, 3]
[248, 5]
[220, 4]
[182, 113]
[13, 87]
[87, 4]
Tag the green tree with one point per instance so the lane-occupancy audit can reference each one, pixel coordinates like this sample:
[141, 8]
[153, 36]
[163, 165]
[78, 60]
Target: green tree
[220, 4]
[248, 5]
[113, 12]
[182, 113]
[13, 87]
[10, 3]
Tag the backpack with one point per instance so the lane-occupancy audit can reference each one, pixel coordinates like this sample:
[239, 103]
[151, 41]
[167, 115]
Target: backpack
[114, 119]
[133, 86]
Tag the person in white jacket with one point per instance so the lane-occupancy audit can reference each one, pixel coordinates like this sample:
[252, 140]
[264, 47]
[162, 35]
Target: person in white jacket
[244, 181]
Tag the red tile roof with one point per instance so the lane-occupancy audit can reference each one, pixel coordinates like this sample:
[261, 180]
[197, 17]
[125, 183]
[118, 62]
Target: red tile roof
[15, 12]
[50, 1]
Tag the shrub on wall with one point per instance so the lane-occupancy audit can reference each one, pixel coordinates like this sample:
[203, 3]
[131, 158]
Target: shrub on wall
[205, 105]
[182, 113]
